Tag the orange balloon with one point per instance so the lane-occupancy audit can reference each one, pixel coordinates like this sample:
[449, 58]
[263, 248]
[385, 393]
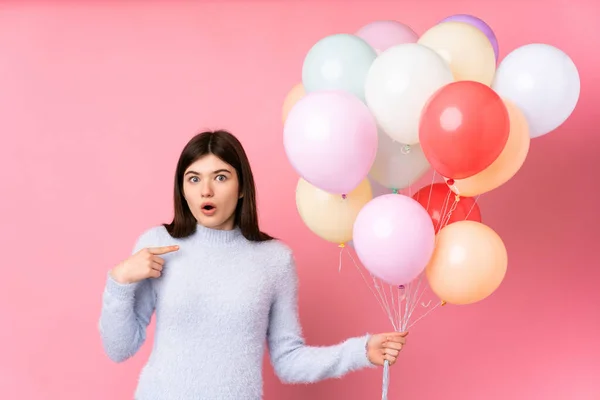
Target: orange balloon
[468, 264]
[295, 94]
[508, 162]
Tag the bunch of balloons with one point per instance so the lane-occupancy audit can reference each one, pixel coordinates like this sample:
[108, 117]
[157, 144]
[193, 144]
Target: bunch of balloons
[387, 104]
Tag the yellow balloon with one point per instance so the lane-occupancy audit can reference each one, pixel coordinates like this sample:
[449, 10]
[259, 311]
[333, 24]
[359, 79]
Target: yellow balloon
[508, 162]
[466, 49]
[468, 264]
[295, 94]
[330, 216]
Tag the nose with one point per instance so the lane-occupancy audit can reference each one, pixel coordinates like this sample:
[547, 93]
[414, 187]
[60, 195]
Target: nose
[207, 189]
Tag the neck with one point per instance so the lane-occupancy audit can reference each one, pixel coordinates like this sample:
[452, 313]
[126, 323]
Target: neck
[218, 236]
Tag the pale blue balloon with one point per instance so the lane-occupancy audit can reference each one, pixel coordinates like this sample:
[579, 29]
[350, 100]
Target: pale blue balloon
[338, 62]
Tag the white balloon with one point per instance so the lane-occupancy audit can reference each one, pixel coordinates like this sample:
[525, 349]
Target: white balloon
[397, 166]
[543, 82]
[399, 83]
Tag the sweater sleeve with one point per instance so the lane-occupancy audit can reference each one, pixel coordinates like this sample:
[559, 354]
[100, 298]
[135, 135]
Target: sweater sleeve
[294, 361]
[126, 312]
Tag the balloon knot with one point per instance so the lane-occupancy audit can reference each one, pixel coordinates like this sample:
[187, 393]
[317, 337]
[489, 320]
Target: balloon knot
[443, 303]
[344, 196]
[395, 191]
[342, 245]
[457, 198]
[450, 182]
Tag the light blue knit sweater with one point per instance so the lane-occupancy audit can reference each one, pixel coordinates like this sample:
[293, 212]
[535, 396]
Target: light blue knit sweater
[219, 299]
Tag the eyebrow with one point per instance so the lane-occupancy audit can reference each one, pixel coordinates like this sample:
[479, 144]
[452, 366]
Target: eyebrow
[190, 172]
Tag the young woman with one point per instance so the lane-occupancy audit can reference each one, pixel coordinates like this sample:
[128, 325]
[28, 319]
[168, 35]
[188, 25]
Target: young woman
[220, 288]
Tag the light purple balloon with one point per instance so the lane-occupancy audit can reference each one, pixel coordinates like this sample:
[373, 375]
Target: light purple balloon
[394, 238]
[330, 138]
[479, 24]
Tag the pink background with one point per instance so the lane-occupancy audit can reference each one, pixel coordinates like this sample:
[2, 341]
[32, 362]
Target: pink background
[97, 100]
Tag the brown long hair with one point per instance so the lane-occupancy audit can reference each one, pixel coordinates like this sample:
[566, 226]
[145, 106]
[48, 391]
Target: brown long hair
[228, 148]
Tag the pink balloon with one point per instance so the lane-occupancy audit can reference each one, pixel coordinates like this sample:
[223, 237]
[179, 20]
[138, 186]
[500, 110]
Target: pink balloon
[330, 138]
[394, 238]
[382, 35]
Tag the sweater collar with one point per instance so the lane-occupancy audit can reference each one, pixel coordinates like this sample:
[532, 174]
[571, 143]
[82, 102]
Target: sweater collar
[218, 236]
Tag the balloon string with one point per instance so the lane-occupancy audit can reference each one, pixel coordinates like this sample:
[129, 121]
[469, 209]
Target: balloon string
[386, 380]
[342, 246]
[394, 312]
[440, 223]
[408, 299]
[401, 298]
[415, 303]
[473, 206]
[365, 280]
[452, 208]
[384, 300]
[431, 189]
[424, 315]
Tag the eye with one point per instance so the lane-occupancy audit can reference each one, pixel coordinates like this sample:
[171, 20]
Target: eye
[221, 178]
[194, 179]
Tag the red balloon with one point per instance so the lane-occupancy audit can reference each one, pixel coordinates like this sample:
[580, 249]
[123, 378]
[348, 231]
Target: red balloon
[438, 200]
[463, 129]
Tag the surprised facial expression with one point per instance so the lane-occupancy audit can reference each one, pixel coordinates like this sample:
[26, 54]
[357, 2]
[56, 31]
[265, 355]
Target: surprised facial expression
[211, 189]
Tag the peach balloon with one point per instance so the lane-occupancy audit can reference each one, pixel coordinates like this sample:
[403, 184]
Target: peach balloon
[508, 162]
[466, 49]
[468, 264]
[295, 94]
[330, 216]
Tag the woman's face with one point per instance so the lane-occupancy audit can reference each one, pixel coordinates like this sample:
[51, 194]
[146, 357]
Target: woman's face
[211, 189]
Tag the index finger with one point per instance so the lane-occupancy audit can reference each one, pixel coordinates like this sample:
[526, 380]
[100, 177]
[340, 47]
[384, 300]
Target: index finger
[395, 335]
[163, 249]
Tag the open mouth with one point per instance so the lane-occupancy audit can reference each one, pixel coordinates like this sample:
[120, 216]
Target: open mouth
[208, 209]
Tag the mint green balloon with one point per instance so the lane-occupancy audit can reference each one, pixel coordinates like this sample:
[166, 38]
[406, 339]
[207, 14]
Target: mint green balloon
[338, 62]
